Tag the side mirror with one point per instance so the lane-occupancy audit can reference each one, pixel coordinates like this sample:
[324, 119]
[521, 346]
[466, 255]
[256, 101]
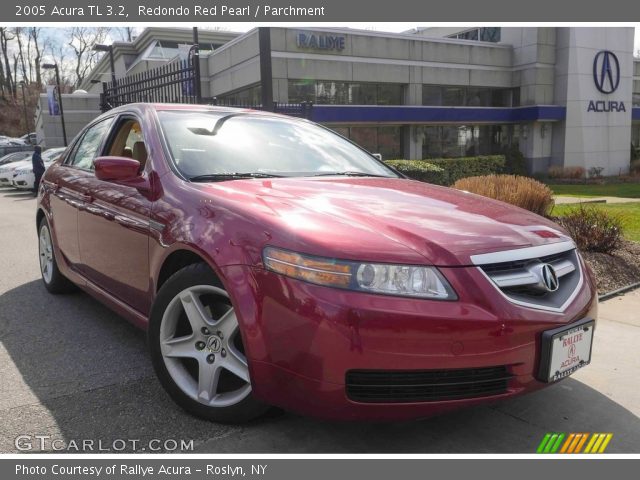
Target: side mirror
[377, 155]
[116, 169]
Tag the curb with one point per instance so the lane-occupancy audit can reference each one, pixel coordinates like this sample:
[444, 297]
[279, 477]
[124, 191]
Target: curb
[619, 291]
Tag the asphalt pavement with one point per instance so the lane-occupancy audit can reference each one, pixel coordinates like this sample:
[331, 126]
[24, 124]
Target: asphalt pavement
[72, 371]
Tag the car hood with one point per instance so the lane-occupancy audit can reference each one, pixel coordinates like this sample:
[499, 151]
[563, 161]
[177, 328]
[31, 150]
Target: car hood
[443, 225]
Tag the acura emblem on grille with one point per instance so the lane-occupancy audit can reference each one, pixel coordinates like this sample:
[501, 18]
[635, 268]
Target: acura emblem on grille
[549, 277]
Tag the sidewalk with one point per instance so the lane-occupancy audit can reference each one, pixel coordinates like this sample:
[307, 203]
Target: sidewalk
[615, 363]
[562, 200]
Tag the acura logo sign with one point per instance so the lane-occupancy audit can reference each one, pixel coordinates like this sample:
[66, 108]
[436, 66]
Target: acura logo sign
[606, 71]
[549, 277]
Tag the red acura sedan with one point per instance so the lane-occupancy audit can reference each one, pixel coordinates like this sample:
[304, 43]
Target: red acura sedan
[274, 262]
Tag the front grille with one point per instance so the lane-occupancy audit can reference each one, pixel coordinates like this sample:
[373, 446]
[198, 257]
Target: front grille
[516, 265]
[394, 386]
[521, 282]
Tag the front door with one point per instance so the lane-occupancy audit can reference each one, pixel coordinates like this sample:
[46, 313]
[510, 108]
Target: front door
[114, 226]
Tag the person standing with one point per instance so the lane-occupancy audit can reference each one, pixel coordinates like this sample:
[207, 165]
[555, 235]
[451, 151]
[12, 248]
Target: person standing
[38, 168]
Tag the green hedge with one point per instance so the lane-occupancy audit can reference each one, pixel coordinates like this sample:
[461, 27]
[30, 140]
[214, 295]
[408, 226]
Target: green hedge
[446, 171]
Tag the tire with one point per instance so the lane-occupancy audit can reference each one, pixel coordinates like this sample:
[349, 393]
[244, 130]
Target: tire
[196, 348]
[53, 280]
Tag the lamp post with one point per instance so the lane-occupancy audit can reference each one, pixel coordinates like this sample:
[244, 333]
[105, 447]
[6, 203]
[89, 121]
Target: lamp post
[54, 66]
[107, 48]
[24, 106]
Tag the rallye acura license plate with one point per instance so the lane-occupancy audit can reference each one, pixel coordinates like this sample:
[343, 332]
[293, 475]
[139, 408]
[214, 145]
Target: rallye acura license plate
[565, 350]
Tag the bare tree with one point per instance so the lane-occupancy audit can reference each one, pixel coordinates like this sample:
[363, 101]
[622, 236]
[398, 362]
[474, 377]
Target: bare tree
[125, 34]
[34, 36]
[18, 32]
[5, 38]
[82, 41]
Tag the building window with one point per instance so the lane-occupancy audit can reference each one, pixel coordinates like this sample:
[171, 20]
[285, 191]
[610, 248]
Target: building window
[484, 34]
[451, 141]
[635, 135]
[386, 141]
[636, 93]
[447, 96]
[327, 92]
[247, 96]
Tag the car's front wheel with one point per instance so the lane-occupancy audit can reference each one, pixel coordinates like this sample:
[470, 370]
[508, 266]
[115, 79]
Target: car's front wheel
[53, 279]
[197, 350]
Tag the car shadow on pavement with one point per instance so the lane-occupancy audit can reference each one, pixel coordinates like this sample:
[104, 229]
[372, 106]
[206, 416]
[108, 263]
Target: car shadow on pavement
[19, 195]
[74, 370]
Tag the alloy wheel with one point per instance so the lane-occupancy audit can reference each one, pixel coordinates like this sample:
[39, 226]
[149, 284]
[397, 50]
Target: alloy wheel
[202, 348]
[46, 253]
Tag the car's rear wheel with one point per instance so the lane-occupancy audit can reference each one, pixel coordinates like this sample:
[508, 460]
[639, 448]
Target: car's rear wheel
[197, 350]
[53, 280]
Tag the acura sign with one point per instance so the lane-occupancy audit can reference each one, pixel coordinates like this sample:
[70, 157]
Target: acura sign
[606, 71]
[606, 77]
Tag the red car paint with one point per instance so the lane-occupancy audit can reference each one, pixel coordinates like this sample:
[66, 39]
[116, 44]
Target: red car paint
[113, 238]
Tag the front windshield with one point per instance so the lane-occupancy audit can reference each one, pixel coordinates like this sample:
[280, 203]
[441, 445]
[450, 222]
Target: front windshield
[219, 143]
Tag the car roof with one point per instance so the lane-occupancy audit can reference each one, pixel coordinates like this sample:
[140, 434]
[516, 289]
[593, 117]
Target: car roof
[158, 107]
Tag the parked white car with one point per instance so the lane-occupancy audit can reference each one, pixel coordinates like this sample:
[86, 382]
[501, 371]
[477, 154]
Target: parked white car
[15, 157]
[6, 171]
[23, 177]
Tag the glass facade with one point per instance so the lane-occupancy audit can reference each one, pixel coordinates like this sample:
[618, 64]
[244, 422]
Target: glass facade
[165, 49]
[635, 134]
[327, 92]
[386, 141]
[448, 96]
[246, 96]
[484, 34]
[636, 93]
[450, 141]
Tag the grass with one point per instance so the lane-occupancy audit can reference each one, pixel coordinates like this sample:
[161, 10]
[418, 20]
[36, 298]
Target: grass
[625, 190]
[629, 212]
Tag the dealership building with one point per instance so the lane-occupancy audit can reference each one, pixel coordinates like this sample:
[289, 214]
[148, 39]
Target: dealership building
[567, 96]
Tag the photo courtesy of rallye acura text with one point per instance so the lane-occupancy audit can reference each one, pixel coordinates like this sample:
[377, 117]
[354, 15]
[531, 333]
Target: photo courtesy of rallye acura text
[275, 263]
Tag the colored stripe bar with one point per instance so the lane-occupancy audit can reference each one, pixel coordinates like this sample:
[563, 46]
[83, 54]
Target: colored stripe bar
[556, 446]
[550, 443]
[567, 443]
[592, 441]
[543, 443]
[576, 440]
[605, 443]
[582, 442]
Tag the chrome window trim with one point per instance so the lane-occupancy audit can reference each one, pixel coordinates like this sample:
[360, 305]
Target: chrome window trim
[523, 253]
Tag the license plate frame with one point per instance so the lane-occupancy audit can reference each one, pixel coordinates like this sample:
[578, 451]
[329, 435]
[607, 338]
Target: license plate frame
[550, 339]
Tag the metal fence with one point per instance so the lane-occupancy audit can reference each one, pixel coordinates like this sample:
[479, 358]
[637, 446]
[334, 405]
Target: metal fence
[179, 82]
[301, 110]
[176, 82]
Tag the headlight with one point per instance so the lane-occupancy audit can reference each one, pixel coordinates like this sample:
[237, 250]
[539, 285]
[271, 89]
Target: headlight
[398, 280]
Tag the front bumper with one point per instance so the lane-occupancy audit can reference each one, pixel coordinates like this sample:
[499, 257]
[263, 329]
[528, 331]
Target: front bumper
[302, 339]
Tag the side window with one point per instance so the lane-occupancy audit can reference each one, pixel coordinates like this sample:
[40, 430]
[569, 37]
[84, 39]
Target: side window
[128, 141]
[87, 148]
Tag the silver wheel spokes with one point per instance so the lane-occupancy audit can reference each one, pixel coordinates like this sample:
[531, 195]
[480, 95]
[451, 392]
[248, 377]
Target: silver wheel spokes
[211, 343]
[46, 254]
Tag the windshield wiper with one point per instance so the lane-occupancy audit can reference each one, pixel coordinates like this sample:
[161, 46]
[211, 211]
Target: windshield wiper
[218, 177]
[349, 173]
